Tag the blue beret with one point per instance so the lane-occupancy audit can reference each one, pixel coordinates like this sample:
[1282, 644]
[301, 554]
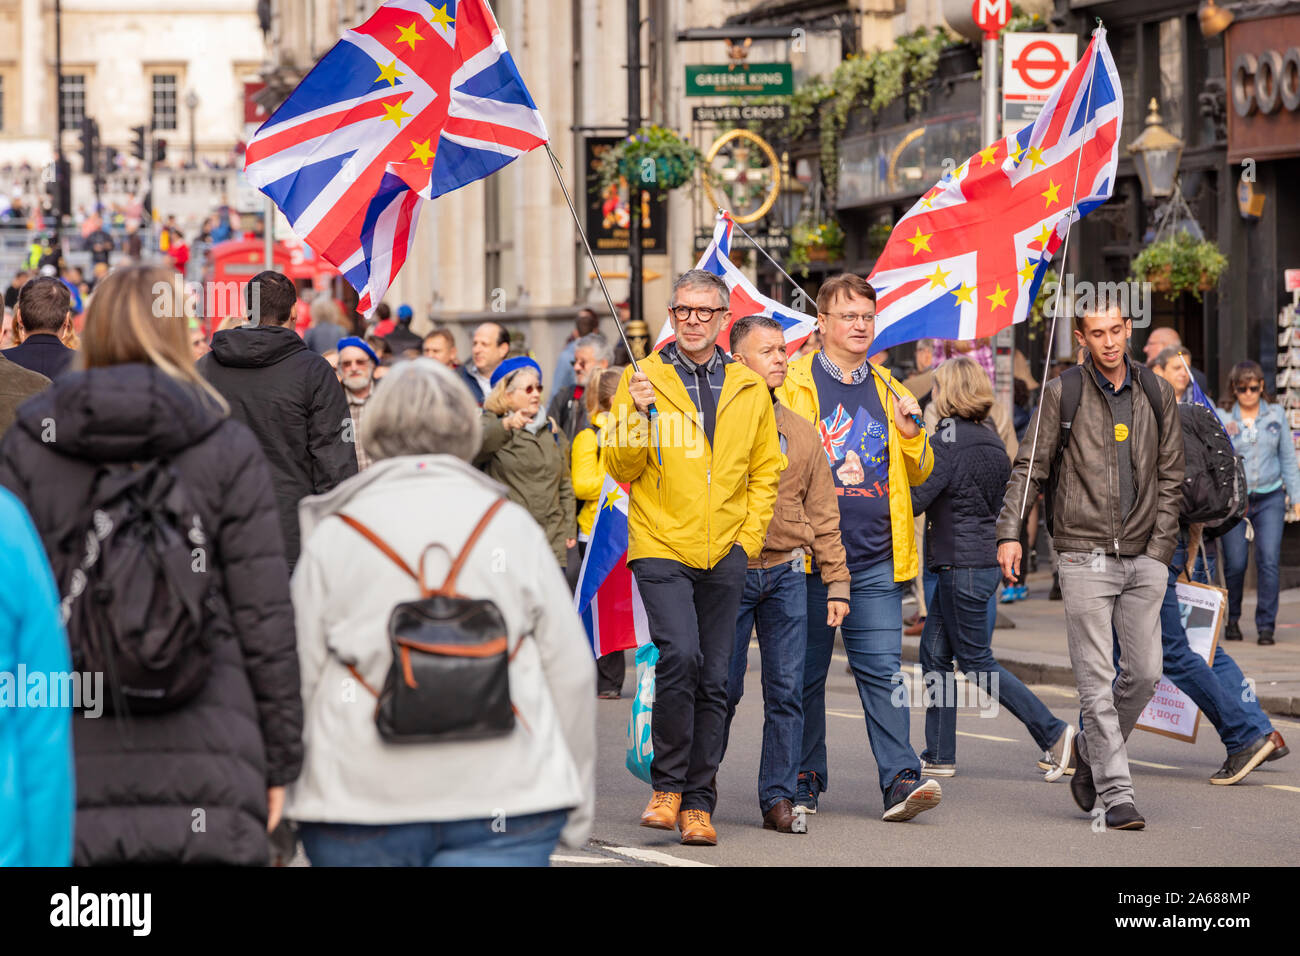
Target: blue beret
[514, 365]
[352, 341]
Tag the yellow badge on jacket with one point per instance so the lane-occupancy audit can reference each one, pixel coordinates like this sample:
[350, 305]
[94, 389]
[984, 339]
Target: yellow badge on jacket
[1121, 432]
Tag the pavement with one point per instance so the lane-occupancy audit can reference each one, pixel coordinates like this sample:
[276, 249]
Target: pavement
[1034, 649]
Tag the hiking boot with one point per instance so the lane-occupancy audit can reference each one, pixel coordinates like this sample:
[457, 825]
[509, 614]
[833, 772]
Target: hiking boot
[1124, 816]
[661, 812]
[908, 796]
[782, 818]
[1280, 749]
[1243, 762]
[1081, 785]
[1058, 756]
[1232, 632]
[938, 769]
[1266, 637]
[806, 791]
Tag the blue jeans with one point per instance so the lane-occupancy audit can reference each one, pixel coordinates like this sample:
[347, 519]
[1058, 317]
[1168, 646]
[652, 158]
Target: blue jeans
[958, 626]
[526, 840]
[1267, 513]
[775, 601]
[873, 639]
[1217, 691]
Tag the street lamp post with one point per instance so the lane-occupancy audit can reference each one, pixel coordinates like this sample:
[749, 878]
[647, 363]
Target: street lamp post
[192, 104]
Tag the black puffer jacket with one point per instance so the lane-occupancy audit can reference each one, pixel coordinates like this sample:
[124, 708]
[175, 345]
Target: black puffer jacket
[187, 786]
[963, 495]
[289, 396]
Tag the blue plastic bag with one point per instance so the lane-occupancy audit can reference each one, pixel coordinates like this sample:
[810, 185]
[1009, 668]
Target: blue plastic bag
[640, 748]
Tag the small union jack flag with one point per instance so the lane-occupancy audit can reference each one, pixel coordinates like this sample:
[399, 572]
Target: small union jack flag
[419, 100]
[833, 431]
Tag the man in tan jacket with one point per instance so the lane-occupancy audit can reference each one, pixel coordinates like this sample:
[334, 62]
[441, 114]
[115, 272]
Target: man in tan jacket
[805, 524]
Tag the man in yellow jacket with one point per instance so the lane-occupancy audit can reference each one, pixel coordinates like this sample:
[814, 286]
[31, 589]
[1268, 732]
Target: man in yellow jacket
[877, 453]
[703, 474]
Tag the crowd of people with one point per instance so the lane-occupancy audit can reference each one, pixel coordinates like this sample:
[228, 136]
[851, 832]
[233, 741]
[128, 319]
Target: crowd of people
[264, 640]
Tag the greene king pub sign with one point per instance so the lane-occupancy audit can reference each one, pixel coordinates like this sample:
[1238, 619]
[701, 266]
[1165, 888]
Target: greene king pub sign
[749, 79]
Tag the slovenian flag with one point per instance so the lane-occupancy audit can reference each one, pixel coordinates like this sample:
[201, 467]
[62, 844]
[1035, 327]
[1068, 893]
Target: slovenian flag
[745, 299]
[607, 598]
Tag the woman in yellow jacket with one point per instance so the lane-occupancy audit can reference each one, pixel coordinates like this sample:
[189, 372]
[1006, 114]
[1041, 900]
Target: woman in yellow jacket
[588, 478]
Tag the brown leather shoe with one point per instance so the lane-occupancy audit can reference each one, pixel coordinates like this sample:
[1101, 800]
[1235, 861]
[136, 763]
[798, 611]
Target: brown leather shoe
[696, 828]
[916, 628]
[1280, 749]
[781, 818]
[661, 812]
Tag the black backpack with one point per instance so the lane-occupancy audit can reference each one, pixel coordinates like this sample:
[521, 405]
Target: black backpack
[139, 599]
[1071, 395]
[1214, 484]
[449, 676]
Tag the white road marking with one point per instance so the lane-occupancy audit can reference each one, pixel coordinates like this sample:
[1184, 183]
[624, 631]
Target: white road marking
[1282, 786]
[560, 858]
[652, 856]
[1156, 766]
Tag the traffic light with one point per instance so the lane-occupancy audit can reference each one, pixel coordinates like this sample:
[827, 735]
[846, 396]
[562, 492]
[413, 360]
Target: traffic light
[137, 142]
[89, 145]
[159, 151]
[59, 187]
[109, 161]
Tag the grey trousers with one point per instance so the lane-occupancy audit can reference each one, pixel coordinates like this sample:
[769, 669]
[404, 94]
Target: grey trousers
[1102, 592]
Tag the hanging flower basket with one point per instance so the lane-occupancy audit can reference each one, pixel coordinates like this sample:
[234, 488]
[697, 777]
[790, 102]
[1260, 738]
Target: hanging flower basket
[1180, 263]
[656, 158]
[815, 242]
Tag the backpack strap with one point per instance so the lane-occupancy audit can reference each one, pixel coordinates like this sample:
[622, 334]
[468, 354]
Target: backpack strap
[1071, 395]
[1151, 385]
[381, 544]
[448, 588]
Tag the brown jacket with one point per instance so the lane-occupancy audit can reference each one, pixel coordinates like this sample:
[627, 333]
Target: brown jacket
[1085, 508]
[807, 515]
[17, 384]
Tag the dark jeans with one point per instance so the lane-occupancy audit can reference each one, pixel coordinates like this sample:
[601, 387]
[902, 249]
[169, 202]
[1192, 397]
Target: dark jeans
[958, 626]
[1267, 513]
[774, 604]
[873, 640]
[1220, 692]
[692, 615]
[526, 840]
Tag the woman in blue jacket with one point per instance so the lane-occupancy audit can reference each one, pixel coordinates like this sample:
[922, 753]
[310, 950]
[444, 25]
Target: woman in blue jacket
[36, 807]
[1260, 434]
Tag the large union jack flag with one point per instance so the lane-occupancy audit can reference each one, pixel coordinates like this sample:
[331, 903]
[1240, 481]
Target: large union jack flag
[967, 260]
[745, 298]
[419, 100]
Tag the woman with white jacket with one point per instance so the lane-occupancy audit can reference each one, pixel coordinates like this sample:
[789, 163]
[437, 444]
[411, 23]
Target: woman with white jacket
[499, 801]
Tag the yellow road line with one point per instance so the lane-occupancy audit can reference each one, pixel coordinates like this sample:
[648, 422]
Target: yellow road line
[1157, 766]
[1282, 786]
[1005, 740]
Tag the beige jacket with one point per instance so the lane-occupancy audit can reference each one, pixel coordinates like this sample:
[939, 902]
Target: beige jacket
[806, 519]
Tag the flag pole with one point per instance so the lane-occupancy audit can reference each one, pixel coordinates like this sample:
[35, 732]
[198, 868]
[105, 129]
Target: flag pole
[652, 413]
[1065, 251]
[609, 299]
[888, 383]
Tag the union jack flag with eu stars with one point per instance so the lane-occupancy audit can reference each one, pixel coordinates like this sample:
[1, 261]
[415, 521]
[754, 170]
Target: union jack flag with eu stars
[967, 260]
[419, 100]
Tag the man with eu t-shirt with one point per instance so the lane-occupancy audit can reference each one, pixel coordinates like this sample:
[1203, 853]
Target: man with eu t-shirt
[877, 453]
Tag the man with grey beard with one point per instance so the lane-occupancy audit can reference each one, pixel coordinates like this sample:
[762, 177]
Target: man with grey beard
[357, 363]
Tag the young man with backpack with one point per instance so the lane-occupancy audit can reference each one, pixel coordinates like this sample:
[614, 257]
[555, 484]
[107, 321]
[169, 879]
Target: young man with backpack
[1115, 538]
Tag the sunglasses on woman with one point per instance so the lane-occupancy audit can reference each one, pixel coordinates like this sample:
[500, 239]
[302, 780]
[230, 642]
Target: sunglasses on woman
[529, 389]
[1243, 389]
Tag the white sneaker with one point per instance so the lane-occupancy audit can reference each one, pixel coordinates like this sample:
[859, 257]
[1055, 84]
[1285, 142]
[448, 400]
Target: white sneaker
[938, 769]
[1058, 757]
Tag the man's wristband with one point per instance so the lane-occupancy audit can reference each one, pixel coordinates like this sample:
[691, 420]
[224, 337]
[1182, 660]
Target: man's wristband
[840, 599]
